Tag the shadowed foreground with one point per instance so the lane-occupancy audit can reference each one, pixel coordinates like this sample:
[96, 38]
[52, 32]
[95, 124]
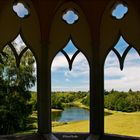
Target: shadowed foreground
[23, 137]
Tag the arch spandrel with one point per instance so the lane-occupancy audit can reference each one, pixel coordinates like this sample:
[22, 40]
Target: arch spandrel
[111, 29]
[61, 32]
[11, 25]
[130, 28]
[30, 29]
[8, 28]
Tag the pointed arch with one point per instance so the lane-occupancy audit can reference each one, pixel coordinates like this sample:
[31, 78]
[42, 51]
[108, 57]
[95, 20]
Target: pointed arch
[61, 32]
[11, 25]
[122, 91]
[70, 82]
[111, 28]
[17, 77]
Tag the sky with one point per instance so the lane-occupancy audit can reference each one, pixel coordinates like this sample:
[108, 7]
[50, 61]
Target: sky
[62, 79]
[20, 10]
[78, 78]
[75, 80]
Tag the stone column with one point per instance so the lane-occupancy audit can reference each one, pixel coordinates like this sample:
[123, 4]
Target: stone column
[44, 93]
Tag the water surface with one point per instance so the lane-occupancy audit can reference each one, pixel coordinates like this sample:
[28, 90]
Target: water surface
[71, 114]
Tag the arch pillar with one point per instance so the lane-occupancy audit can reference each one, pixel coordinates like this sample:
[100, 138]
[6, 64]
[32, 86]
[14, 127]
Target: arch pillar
[44, 93]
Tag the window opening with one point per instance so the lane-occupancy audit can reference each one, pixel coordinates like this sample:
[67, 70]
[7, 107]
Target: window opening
[122, 93]
[70, 49]
[19, 48]
[17, 102]
[21, 10]
[28, 63]
[70, 16]
[121, 49]
[70, 52]
[123, 45]
[70, 91]
[119, 11]
[18, 44]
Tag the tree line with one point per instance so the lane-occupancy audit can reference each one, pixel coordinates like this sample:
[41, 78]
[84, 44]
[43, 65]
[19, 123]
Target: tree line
[122, 101]
[113, 100]
[61, 99]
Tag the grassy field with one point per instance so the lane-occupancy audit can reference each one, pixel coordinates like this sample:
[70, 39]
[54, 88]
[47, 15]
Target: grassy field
[123, 123]
[115, 123]
[81, 126]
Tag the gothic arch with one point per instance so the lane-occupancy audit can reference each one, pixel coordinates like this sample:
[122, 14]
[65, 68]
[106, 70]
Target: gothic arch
[111, 28]
[95, 34]
[61, 32]
[11, 25]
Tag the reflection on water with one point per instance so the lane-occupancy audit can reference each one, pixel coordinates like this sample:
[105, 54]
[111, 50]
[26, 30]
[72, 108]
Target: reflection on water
[56, 115]
[71, 114]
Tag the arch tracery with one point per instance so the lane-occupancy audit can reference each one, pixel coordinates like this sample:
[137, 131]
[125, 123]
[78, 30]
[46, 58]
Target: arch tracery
[121, 29]
[61, 31]
[11, 24]
[112, 28]
[79, 31]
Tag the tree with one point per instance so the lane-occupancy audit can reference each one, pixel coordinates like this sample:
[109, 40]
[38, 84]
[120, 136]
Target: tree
[56, 101]
[15, 83]
[86, 100]
[123, 101]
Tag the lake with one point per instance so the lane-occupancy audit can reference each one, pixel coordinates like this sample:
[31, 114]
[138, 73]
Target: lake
[71, 114]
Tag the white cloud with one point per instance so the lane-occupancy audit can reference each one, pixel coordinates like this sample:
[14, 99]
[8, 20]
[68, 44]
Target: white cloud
[80, 68]
[70, 88]
[19, 41]
[18, 44]
[80, 65]
[74, 80]
[67, 80]
[114, 77]
[111, 61]
[126, 79]
[59, 62]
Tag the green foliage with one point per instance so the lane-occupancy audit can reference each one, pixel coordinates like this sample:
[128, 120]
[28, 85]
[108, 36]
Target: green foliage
[60, 99]
[123, 101]
[14, 91]
[56, 101]
[113, 100]
[86, 100]
[33, 101]
[2, 54]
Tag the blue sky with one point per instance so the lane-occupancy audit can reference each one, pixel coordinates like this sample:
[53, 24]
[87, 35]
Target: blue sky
[126, 79]
[78, 78]
[75, 80]
[20, 10]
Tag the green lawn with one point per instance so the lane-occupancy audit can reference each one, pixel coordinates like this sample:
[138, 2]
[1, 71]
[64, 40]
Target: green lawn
[115, 123]
[123, 123]
[81, 126]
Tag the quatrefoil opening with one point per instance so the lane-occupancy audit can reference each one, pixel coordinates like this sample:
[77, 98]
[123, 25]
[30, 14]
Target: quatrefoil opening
[119, 11]
[70, 17]
[21, 10]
